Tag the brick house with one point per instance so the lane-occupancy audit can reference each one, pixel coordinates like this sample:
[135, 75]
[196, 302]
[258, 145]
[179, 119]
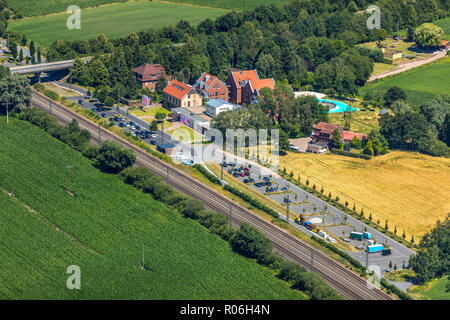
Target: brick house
[210, 87]
[178, 94]
[148, 74]
[244, 86]
[323, 134]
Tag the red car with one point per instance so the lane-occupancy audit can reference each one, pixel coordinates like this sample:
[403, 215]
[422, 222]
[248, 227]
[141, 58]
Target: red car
[242, 174]
[245, 169]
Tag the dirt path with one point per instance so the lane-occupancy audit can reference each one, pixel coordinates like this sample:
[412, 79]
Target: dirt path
[409, 65]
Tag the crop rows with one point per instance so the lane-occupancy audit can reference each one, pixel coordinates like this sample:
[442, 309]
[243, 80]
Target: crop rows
[105, 224]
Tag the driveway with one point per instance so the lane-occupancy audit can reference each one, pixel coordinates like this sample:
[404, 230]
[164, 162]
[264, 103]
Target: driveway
[409, 65]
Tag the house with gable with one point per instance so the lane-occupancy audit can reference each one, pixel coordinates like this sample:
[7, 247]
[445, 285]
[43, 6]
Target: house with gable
[178, 94]
[210, 87]
[244, 86]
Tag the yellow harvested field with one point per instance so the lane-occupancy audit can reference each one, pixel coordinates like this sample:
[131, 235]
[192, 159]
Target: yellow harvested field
[411, 191]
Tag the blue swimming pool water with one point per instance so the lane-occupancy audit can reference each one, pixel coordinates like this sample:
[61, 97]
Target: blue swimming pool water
[340, 106]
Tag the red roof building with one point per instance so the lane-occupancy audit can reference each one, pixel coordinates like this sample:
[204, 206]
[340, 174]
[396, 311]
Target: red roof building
[348, 136]
[148, 74]
[178, 94]
[445, 44]
[323, 134]
[244, 86]
[210, 87]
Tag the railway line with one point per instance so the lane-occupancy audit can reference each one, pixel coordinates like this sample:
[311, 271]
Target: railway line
[344, 281]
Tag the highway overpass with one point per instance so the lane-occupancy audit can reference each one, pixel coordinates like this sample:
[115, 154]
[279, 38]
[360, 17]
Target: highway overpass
[45, 67]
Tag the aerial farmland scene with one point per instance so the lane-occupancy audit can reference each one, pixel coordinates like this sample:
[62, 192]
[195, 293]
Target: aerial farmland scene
[203, 151]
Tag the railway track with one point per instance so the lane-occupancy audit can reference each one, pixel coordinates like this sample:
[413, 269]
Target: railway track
[346, 282]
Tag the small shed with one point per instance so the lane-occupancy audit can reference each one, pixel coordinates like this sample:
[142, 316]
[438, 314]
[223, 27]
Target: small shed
[167, 148]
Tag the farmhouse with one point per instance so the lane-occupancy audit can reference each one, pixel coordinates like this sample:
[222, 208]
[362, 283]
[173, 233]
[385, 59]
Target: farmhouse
[348, 136]
[245, 86]
[210, 87]
[178, 94]
[148, 74]
[323, 134]
[216, 106]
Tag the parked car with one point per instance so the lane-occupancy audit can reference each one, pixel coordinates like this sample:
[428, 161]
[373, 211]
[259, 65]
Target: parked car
[230, 171]
[284, 189]
[251, 180]
[245, 181]
[247, 173]
[122, 125]
[266, 179]
[153, 142]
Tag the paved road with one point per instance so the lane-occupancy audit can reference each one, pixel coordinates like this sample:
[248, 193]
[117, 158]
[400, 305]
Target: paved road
[409, 65]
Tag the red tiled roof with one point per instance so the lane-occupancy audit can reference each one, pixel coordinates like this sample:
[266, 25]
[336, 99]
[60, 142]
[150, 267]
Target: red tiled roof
[177, 89]
[249, 75]
[264, 83]
[149, 71]
[326, 127]
[444, 43]
[348, 135]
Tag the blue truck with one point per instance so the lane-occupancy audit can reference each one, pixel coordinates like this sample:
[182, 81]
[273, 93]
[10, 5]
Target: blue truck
[367, 235]
[375, 248]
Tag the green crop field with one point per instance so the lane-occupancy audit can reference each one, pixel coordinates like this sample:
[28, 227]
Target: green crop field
[102, 229]
[232, 4]
[420, 84]
[42, 7]
[115, 21]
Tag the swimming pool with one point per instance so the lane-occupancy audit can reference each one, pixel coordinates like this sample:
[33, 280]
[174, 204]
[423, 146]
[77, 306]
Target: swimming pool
[339, 106]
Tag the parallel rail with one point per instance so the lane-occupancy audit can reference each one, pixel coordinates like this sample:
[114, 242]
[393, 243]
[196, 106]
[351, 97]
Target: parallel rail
[346, 282]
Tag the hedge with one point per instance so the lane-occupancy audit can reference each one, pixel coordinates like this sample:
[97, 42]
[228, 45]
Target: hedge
[207, 174]
[251, 200]
[352, 154]
[343, 254]
[393, 289]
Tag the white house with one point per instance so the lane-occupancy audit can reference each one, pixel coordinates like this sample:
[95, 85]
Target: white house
[216, 106]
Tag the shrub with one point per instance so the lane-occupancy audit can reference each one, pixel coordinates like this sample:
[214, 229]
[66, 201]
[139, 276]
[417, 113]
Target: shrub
[113, 158]
[207, 174]
[352, 154]
[250, 242]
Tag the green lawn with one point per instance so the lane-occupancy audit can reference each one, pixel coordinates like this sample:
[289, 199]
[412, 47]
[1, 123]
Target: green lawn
[42, 7]
[420, 84]
[435, 290]
[115, 21]
[101, 229]
[232, 4]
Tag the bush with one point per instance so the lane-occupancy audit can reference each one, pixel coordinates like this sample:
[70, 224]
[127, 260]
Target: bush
[251, 200]
[343, 254]
[352, 154]
[250, 242]
[192, 208]
[113, 158]
[207, 174]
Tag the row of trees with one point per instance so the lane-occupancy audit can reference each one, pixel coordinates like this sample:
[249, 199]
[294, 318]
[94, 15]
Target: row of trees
[307, 44]
[15, 91]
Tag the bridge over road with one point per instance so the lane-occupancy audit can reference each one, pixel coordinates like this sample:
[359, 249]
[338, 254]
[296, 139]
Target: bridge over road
[45, 67]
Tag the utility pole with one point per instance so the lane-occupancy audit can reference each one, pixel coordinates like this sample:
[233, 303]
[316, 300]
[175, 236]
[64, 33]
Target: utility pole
[367, 258]
[51, 106]
[118, 98]
[287, 209]
[99, 133]
[68, 168]
[7, 111]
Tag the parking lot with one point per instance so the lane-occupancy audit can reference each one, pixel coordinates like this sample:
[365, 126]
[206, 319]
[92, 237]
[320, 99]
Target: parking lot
[335, 223]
